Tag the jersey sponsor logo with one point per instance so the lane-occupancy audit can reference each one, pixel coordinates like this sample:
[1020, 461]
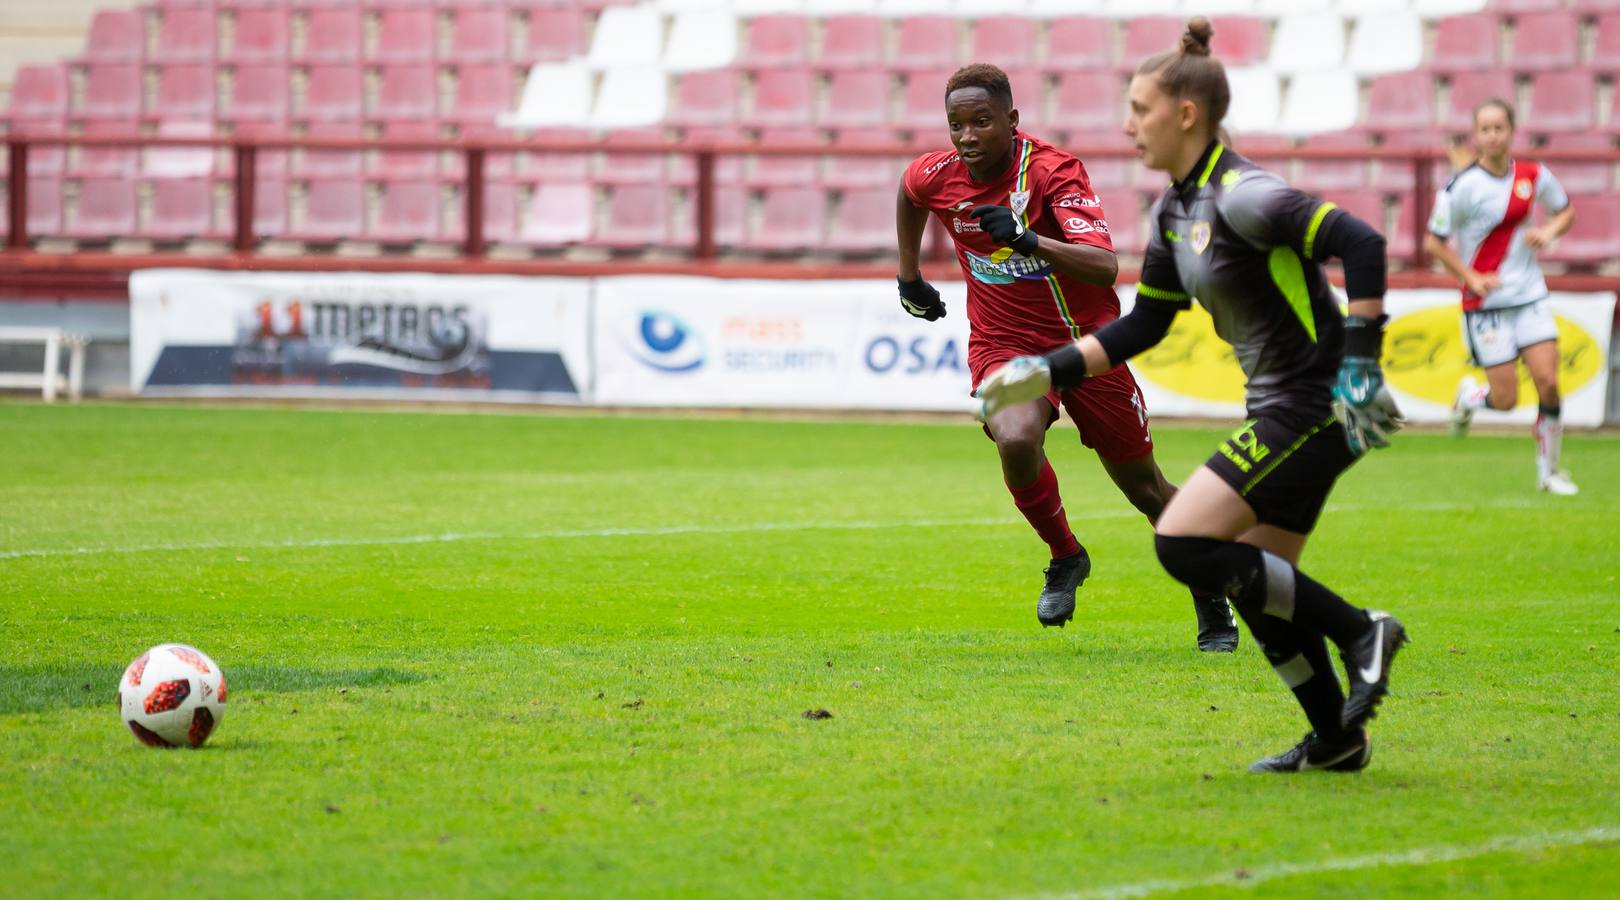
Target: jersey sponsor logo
[1076, 200]
[1008, 268]
[940, 165]
[1077, 225]
[1019, 201]
[960, 226]
[1199, 236]
[1172, 235]
[1231, 178]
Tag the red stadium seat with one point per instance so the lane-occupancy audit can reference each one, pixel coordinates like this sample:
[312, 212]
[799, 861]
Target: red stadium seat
[1402, 239]
[40, 92]
[184, 92]
[1125, 222]
[558, 215]
[1562, 101]
[1368, 206]
[854, 172]
[1463, 43]
[706, 99]
[1606, 43]
[856, 98]
[556, 34]
[480, 35]
[44, 207]
[784, 171]
[1468, 90]
[1243, 40]
[482, 93]
[261, 35]
[180, 208]
[1029, 97]
[862, 222]
[1400, 102]
[1322, 175]
[334, 210]
[259, 93]
[791, 219]
[1087, 103]
[554, 167]
[405, 35]
[1546, 41]
[116, 36]
[270, 218]
[1526, 6]
[332, 35]
[105, 161]
[410, 211]
[332, 93]
[1150, 35]
[407, 92]
[498, 165]
[1396, 176]
[330, 163]
[926, 42]
[181, 162]
[1582, 177]
[727, 168]
[105, 209]
[638, 215]
[1008, 42]
[111, 92]
[776, 42]
[922, 103]
[187, 35]
[1079, 44]
[407, 165]
[627, 167]
[730, 219]
[501, 203]
[782, 98]
[1595, 236]
[851, 42]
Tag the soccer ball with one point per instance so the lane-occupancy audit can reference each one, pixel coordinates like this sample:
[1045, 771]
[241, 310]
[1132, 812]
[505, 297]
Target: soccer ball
[172, 696]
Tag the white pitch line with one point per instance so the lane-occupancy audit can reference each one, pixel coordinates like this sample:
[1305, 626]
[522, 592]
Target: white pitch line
[1422, 856]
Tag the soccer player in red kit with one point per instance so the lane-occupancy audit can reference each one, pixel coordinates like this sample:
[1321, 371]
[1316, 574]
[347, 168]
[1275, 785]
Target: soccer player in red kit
[1033, 244]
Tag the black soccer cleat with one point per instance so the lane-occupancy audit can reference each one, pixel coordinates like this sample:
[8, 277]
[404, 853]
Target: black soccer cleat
[1063, 577]
[1367, 661]
[1348, 754]
[1217, 627]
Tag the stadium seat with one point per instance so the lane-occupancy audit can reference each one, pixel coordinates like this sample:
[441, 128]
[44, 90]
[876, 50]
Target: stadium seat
[1595, 236]
[1320, 175]
[850, 42]
[334, 210]
[261, 35]
[498, 165]
[556, 166]
[1368, 206]
[922, 104]
[1241, 40]
[1562, 101]
[706, 99]
[1008, 42]
[559, 215]
[501, 204]
[1434, 9]
[1582, 177]
[330, 163]
[730, 219]
[638, 215]
[757, 8]
[555, 34]
[258, 93]
[857, 98]
[627, 36]
[701, 39]
[181, 162]
[1054, 9]
[1400, 101]
[1513, 7]
[1395, 176]
[1307, 42]
[105, 209]
[1224, 8]
[105, 161]
[728, 168]
[483, 92]
[1079, 44]
[332, 93]
[407, 92]
[270, 217]
[180, 208]
[1155, 33]
[1386, 42]
[782, 98]
[408, 211]
[1545, 41]
[407, 165]
[184, 92]
[1606, 43]
[1402, 238]
[862, 222]
[40, 93]
[44, 207]
[926, 42]
[903, 9]
[404, 35]
[631, 97]
[1256, 100]
[1319, 101]
[331, 35]
[111, 92]
[1088, 102]
[626, 167]
[783, 171]
[791, 219]
[1110, 176]
[1351, 9]
[1466, 43]
[776, 41]
[1277, 8]
[480, 34]
[116, 36]
[1126, 222]
[187, 35]
[853, 172]
[1029, 97]
[554, 95]
[1468, 90]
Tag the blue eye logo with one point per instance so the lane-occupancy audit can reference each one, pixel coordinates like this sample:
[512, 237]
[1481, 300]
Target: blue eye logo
[665, 343]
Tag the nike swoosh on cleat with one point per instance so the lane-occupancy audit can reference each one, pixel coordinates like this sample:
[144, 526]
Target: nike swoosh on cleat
[1370, 673]
[1332, 762]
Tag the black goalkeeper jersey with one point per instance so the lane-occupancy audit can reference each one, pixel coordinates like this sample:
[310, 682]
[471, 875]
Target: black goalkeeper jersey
[1243, 242]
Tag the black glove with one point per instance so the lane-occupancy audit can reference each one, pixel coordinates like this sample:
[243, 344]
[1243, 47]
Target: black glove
[920, 299]
[1004, 228]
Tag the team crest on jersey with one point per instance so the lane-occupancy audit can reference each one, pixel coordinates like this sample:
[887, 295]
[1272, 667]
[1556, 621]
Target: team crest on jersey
[1522, 188]
[1199, 236]
[1019, 201]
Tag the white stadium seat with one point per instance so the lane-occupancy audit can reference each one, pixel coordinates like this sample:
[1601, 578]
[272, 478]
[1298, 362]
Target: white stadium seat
[1130, 9]
[627, 36]
[631, 97]
[1216, 8]
[1256, 99]
[1319, 101]
[705, 39]
[1353, 8]
[1291, 7]
[747, 8]
[1434, 9]
[1385, 42]
[556, 95]
[1311, 42]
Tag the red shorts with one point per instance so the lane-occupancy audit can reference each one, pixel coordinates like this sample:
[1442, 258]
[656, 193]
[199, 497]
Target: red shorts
[1107, 409]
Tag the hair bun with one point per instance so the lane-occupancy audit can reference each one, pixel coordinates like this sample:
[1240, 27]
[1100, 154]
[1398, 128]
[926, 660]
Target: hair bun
[1195, 41]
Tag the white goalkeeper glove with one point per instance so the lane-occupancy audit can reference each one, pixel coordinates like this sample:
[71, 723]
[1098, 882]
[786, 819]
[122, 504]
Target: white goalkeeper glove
[1021, 380]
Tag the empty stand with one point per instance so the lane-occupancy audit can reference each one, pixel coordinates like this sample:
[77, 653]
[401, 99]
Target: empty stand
[558, 215]
[782, 97]
[330, 163]
[926, 42]
[862, 222]
[1319, 101]
[483, 92]
[116, 36]
[1307, 42]
[407, 92]
[1385, 42]
[638, 216]
[627, 36]
[1468, 90]
[1595, 236]
[863, 171]
[631, 97]
[332, 93]
[1545, 41]
[1077, 43]
[627, 167]
[1583, 177]
[404, 35]
[1561, 101]
[187, 35]
[111, 92]
[701, 39]
[184, 92]
[180, 208]
[1606, 43]
[1330, 175]
[105, 209]
[407, 165]
[776, 41]
[728, 168]
[706, 99]
[791, 219]
[1401, 101]
[922, 103]
[555, 34]
[1466, 43]
[104, 161]
[40, 93]
[1087, 102]
[331, 35]
[554, 95]
[850, 42]
[1256, 100]
[181, 162]
[730, 219]
[1008, 42]
[408, 211]
[856, 98]
[259, 93]
[776, 170]
[480, 35]
[334, 210]
[260, 35]
[1154, 34]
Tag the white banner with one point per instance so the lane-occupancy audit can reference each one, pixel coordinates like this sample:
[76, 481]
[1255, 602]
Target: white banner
[202, 332]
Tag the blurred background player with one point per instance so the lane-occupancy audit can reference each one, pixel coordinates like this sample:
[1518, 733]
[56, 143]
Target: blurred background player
[1250, 247]
[1489, 208]
[1034, 247]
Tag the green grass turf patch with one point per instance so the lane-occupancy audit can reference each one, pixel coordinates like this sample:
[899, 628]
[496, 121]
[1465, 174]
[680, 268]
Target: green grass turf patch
[505, 654]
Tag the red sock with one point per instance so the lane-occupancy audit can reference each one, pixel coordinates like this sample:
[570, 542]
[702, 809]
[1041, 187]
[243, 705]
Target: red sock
[1043, 507]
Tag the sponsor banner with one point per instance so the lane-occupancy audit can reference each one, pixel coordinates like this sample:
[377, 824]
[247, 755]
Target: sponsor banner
[1193, 372]
[674, 341]
[349, 334]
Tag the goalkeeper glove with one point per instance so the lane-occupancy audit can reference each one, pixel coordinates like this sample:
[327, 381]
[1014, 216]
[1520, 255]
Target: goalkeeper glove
[920, 299]
[1004, 228]
[1361, 401]
[1025, 378]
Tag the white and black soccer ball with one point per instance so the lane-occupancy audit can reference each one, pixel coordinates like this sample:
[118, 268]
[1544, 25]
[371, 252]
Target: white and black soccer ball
[172, 695]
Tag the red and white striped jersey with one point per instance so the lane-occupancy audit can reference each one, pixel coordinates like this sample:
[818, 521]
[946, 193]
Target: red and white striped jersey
[1489, 216]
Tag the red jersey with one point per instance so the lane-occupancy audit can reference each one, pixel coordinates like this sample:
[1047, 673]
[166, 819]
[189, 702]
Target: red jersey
[1019, 303]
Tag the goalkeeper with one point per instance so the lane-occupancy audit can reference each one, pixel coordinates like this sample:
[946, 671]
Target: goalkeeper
[1249, 248]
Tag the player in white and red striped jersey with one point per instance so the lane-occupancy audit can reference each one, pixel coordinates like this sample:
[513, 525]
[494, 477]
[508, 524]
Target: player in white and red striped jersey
[1489, 207]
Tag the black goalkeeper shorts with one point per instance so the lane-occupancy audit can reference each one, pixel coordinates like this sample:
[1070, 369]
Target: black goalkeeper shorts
[1284, 466]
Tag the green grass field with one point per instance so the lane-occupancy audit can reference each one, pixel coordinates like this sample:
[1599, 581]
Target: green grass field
[569, 656]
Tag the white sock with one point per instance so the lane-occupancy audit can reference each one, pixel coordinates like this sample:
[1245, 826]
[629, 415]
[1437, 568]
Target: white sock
[1549, 433]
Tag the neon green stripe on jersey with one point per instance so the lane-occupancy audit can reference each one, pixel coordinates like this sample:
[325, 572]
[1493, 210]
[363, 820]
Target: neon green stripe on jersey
[1289, 276]
[1209, 167]
[1316, 222]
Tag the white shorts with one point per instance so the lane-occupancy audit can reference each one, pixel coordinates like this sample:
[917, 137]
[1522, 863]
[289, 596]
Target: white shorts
[1496, 336]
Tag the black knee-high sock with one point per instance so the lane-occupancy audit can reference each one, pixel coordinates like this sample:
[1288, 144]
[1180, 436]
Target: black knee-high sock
[1300, 658]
